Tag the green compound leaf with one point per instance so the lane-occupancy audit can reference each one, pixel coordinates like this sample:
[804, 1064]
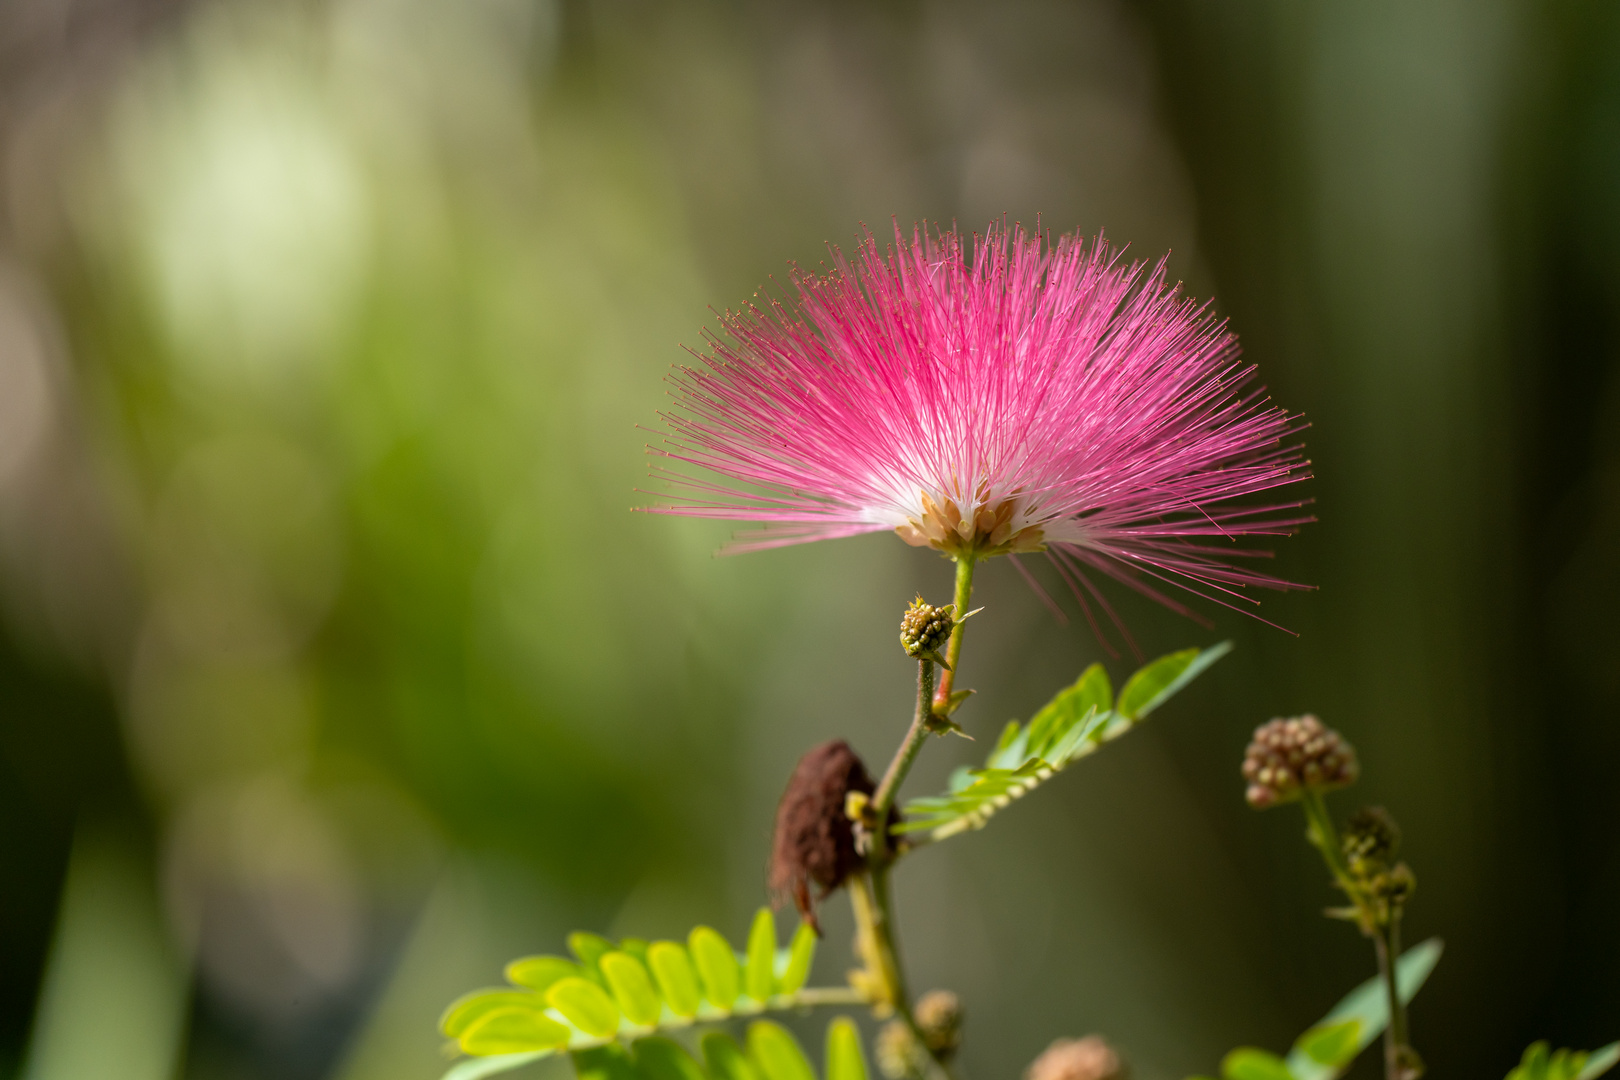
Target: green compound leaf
[1367, 1006]
[844, 1059]
[1249, 1063]
[759, 975]
[716, 965]
[1075, 723]
[776, 1053]
[615, 994]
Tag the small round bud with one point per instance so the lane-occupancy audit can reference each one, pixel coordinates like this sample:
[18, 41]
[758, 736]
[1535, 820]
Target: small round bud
[1090, 1058]
[1395, 885]
[924, 629]
[939, 1016]
[898, 1055]
[1370, 840]
[1287, 757]
[1408, 1065]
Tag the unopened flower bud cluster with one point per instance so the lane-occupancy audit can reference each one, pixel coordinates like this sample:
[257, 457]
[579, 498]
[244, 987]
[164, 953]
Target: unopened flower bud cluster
[925, 629]
[1090, 1058]
[1289, 756]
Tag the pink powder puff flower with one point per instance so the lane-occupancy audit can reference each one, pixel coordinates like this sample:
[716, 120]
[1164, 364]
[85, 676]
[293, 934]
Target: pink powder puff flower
[1039, 397]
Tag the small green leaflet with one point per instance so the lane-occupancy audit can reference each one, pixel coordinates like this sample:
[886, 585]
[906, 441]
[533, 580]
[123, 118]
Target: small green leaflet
[1367, 1007]
[1249, 1063]
[1075, 723]
[623, 993]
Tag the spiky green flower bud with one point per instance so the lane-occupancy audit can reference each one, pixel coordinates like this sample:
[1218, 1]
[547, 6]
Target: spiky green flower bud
[924, 630]
[1288, 756]
[1370, 840]
[939, 1017]
[1394, 886]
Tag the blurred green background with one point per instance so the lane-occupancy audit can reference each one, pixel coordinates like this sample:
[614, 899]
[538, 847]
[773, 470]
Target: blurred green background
[336, 670]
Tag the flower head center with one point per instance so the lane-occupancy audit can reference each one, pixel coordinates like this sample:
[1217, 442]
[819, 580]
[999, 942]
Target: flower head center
[990, 526]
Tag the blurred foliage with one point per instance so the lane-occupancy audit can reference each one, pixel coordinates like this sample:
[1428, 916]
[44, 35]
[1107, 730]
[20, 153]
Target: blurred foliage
[325, 332]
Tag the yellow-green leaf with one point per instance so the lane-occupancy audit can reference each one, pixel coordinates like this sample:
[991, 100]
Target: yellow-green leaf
[801, 954]
[585, 1005]
[632, 988]
[513, 1030]
[759, 978]
[1331, 1044]
[776, 1054]
[1248, 1063]
[676, 979]
[469, 1007]
[539, 972]
[725, 1058]
[588, 947]
[844, 1060]
[716, 965]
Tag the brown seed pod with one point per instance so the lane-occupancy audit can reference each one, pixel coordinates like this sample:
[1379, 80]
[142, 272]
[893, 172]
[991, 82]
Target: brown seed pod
[815, 839]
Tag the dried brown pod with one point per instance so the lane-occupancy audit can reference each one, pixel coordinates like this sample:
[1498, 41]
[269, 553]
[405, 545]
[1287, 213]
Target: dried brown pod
[815, 839]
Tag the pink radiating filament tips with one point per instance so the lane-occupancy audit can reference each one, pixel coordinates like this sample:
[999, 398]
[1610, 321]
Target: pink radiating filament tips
[1030, 396]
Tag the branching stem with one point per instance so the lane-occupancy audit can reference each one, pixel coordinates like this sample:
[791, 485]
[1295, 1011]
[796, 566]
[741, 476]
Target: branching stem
[875, 940]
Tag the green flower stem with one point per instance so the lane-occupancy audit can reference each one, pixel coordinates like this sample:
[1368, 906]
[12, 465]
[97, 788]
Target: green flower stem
[1320, 831]
[953, 651]
[875, 942]
[903, 758]
[1385, 932]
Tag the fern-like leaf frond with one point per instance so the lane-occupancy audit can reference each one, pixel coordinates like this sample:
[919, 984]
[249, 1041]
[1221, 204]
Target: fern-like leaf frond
[1075, 723]
[610, 993]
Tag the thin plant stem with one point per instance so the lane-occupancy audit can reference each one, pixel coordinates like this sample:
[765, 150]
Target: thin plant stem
[874, 916]
[1320, 831]
[1387, 944]
[895, 774]
[953, 650]
[1385, 931]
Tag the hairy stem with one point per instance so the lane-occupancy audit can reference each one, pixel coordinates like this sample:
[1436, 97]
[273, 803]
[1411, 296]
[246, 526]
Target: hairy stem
[953, 651]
